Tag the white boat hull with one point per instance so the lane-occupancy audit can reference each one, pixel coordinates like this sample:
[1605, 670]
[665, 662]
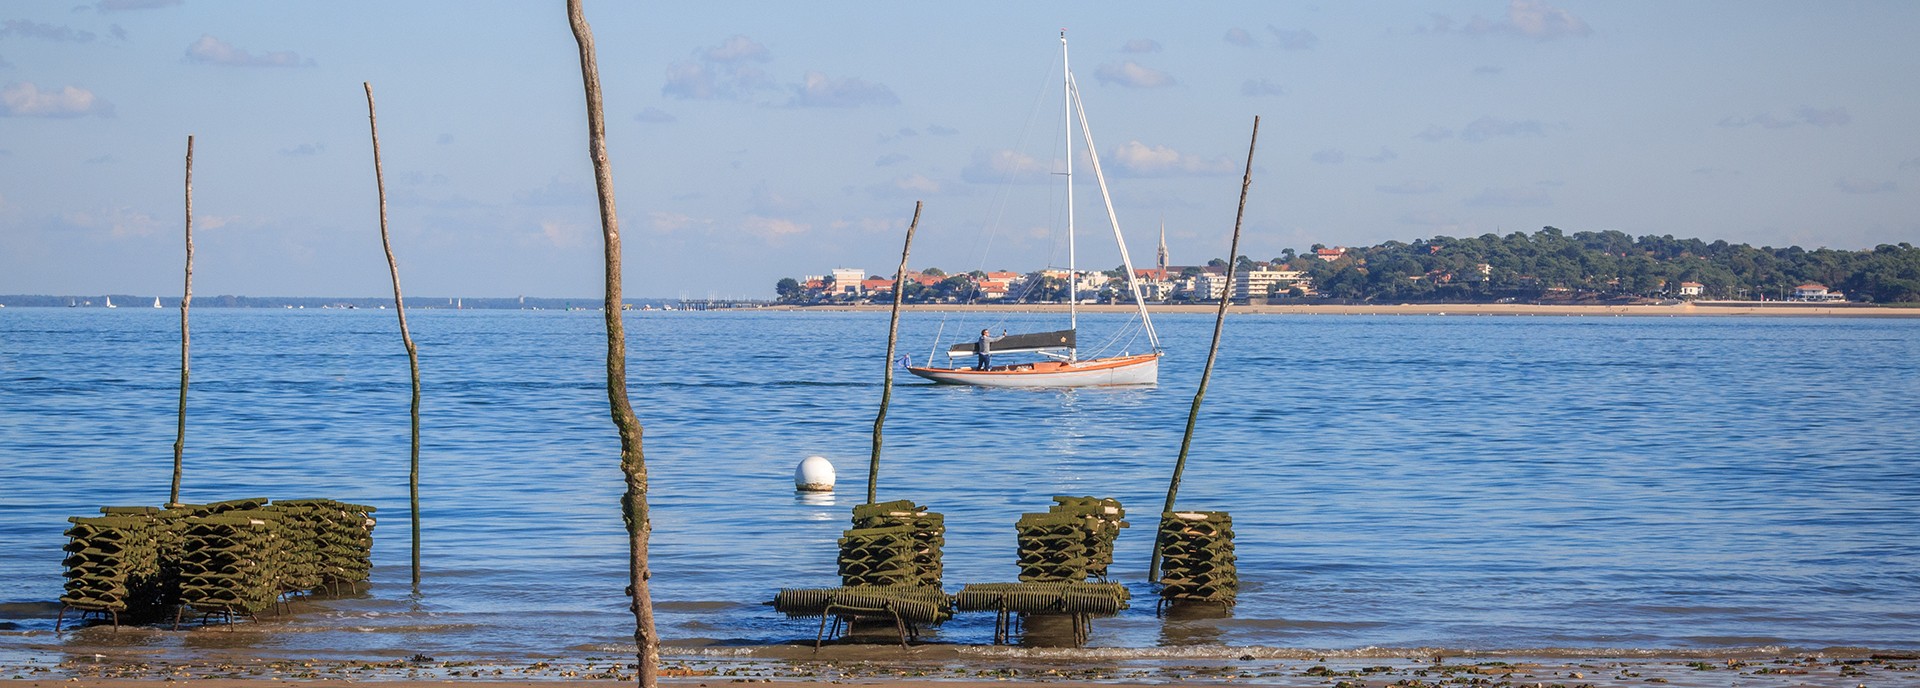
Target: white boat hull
[1143, 369]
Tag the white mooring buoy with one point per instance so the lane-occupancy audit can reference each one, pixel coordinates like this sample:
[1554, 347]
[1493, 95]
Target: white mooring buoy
[814, 474]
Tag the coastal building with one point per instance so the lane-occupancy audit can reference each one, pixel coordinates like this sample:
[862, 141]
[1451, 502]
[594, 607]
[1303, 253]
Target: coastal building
[846, 281]
[1154, 283]
[1330, 254]
[992, 289]
[1260, 283]
[1208, 286]
[1813, 291]
[1691, 288]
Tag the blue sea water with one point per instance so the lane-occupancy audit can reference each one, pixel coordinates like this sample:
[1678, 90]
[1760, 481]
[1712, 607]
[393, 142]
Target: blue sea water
[1452, 482]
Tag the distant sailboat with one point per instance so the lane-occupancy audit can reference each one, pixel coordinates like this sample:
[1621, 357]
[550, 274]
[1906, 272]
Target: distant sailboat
[156, 302]
[110, 303]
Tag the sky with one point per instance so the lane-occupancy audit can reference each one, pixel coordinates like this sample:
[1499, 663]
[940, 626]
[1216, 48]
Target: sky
[757, 140]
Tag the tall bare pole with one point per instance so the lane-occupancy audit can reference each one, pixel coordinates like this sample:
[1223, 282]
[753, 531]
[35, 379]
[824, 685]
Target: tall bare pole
[893, 335]
[1213, 351]
[186, 300]
[413, 354]
[633, 463]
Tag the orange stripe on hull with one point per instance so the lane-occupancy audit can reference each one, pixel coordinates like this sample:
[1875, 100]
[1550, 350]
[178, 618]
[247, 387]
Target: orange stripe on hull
[1118, 370]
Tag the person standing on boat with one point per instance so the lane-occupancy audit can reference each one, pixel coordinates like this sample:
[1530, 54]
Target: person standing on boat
[984, 349]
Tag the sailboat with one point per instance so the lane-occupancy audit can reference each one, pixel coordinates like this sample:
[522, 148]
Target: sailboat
[110, 303]
[156, 302]
[1061, 365]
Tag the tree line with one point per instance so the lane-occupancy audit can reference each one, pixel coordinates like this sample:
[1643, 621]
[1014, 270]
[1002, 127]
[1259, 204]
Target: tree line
[1603, 265]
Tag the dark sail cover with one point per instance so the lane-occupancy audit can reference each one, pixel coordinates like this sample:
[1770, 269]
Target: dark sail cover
[1020, 343]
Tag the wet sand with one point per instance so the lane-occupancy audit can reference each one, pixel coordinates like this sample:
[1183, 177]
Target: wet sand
[1717, 309]
[878, 666]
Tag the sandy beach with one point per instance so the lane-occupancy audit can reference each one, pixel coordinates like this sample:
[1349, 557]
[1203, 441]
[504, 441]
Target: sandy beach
[931, 666]
[1717, 309]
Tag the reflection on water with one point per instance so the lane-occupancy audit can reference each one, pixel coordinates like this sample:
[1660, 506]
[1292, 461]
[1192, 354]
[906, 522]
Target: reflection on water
[1394, 481]
[1187, 623]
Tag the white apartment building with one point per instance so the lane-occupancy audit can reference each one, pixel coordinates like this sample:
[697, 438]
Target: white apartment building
[1206, 286]
[1259, 284]
[847, 281]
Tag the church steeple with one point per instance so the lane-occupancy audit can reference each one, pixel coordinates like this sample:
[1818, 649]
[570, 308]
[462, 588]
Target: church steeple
[1163, 248]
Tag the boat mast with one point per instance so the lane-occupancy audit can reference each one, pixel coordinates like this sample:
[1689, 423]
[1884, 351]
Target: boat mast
[1066, 117]
[1093, 155]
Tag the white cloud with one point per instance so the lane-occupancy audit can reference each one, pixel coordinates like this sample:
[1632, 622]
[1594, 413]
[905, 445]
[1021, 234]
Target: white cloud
[213, 222]
[1806, 115]
[720, 72]
[26, 28]
[1536, 19]
[1261, 87]
[1003, 166]
[665, 222]
[765, 201]
[1413, 186]
[1240, 37]
[559, 191]
[1293, 39]
[24, 99]
[1511, 198]
[870, 224]
[114, 222]
[820, 90]
[772, 226]
[210, 50]
[1141, 45]
[1141, 160]
[909, 186]
[562, 234]
[1865, 186]
[125, 5]
[655, 115]
[1329, 156]
[1524, 18]
[1494, 127]
[919, 183]
[1133, 75]
[737, 48]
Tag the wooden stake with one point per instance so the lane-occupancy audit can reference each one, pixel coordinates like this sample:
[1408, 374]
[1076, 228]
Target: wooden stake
[893, 335]
[633, 505]
[413, 353]
[1213, 350]
[186, 300]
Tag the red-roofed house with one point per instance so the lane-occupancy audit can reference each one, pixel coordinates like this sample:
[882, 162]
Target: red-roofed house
[1691, 288]
[1813, 291]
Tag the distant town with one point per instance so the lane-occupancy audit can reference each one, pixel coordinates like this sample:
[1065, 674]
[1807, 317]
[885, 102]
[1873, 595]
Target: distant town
[1545, 266]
